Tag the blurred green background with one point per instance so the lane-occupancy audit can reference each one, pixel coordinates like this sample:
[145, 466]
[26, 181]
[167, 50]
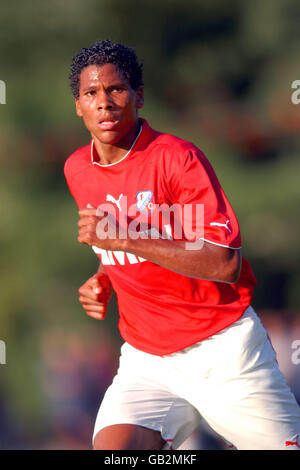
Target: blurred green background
[217, 73]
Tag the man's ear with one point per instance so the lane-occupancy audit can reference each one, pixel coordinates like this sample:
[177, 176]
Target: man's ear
[78, 108]
[139, 100]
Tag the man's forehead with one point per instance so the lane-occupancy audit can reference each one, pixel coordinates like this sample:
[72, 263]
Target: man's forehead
[106, 72]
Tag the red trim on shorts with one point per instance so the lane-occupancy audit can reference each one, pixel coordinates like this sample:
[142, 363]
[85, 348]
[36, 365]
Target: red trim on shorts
[170, 440]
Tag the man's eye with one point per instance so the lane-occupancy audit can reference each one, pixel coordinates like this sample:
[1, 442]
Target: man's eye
[90, 93]
[117, 89]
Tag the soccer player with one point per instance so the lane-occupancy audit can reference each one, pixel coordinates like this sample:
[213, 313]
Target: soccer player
[193, 346]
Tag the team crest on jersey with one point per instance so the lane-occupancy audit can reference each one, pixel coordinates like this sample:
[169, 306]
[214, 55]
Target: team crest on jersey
[144, 202]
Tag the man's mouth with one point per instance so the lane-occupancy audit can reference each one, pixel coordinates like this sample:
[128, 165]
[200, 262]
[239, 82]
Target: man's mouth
[107, 124]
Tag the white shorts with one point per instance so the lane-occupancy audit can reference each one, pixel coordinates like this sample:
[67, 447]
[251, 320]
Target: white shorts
[231, 379]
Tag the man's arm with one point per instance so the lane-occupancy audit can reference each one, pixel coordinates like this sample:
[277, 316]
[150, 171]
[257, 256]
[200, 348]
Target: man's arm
[210, 262]
[95, 293]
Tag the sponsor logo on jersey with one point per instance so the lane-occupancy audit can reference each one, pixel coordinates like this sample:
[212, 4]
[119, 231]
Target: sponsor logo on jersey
[144, 202]
[117, 258]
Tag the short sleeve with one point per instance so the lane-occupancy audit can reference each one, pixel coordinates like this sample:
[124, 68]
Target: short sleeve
[207, 210]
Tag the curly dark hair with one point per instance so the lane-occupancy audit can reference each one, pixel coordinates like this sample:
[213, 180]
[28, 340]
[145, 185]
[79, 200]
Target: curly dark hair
[107, 52]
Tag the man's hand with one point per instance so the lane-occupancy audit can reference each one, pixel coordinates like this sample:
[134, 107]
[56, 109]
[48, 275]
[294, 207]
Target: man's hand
[100, 229]
[94, 295]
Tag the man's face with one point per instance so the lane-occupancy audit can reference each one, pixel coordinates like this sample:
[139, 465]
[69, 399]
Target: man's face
[108, 104]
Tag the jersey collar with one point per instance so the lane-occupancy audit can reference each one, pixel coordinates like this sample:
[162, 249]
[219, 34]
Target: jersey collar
[94, 162]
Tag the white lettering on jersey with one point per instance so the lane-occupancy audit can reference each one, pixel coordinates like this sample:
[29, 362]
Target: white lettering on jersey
[222, 225]
[113, 258]
[110, 198]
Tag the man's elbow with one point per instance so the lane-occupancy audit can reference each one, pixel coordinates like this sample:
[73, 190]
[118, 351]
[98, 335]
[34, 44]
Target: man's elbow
[234, 276]
[233, 268]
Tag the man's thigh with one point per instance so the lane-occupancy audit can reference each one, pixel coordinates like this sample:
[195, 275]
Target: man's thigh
[245, 397]
[144, 406]
[128, 437]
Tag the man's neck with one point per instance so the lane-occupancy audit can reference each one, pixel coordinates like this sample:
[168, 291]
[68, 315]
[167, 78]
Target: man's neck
[106, 154]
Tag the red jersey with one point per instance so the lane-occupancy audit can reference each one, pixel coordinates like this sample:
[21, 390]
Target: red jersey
[161, 311]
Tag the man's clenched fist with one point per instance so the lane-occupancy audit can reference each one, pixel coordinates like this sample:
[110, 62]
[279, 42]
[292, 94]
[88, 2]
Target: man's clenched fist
[94, 295]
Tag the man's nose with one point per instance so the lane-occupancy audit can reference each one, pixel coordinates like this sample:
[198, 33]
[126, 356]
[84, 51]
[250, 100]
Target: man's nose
[104, 101]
